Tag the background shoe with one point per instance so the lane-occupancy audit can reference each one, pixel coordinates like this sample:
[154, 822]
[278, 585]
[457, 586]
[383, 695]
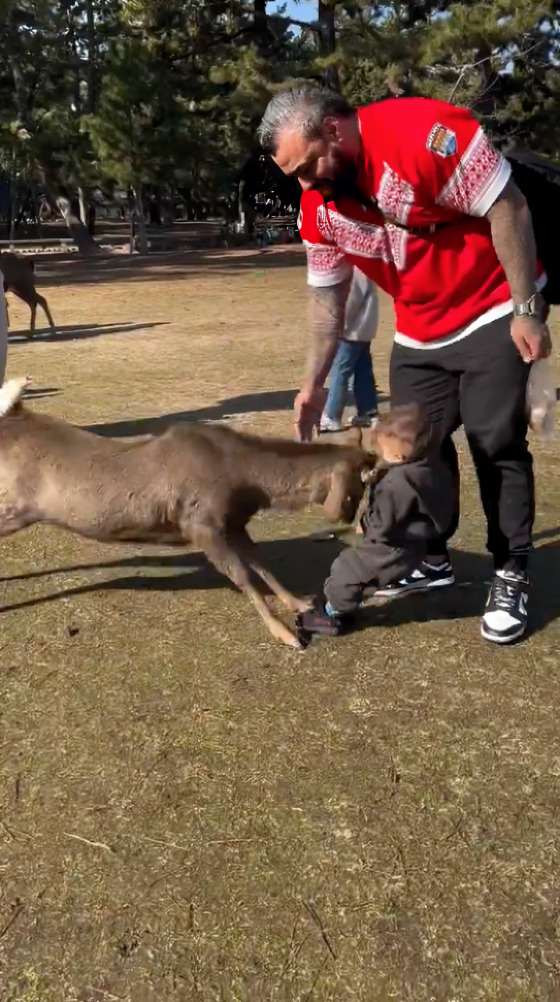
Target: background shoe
[505, 618]
[365, 420]
[424, 578]
[327, 424]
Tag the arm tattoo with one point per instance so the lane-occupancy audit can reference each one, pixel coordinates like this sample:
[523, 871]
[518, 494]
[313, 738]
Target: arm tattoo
[514, 241]
[327, 321]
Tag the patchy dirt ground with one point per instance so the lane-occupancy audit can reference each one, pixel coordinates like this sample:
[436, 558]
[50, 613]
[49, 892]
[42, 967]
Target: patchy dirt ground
[190, 812]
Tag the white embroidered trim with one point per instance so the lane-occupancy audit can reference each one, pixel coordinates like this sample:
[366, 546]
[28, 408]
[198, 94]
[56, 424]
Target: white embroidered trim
[477, 180]
[326, 265]
[360, 239]
[398, 240]
[395, 196]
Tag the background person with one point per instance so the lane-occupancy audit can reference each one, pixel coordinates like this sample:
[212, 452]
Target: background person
[352, 361]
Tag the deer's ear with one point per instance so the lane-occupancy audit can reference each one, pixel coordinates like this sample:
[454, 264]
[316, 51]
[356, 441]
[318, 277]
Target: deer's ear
[334, 502]
[353, 436]
[369, 441]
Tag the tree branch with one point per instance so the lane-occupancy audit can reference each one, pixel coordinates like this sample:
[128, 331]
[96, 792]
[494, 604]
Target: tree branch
[310, 25]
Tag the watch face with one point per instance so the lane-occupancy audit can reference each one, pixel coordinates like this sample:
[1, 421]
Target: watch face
[535, 307]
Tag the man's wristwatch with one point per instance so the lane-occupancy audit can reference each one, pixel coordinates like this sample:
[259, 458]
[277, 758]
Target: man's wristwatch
[534, 307]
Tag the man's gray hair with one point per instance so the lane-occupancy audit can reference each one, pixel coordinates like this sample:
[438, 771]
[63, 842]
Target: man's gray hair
[305, 108]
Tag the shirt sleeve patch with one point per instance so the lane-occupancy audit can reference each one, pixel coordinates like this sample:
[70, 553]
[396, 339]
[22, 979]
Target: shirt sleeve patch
[442, 141]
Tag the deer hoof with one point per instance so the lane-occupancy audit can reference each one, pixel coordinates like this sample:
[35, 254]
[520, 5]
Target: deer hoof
[296, 645]
[300, 605]
[285, 636]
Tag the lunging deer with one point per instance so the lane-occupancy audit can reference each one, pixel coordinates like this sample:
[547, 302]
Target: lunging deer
[197, 483]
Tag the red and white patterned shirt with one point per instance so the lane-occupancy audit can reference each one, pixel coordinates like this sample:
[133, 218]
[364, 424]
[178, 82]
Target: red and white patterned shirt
[423, 162]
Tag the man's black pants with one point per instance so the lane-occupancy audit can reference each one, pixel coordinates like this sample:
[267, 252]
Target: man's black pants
[479, 382]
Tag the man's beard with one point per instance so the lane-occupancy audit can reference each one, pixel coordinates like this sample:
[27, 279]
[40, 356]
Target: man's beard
[345, 181]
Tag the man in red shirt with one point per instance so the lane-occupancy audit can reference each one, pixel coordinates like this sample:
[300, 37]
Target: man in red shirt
[412, 192]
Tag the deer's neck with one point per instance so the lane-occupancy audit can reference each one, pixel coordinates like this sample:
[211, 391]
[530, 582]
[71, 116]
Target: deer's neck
[292, 482]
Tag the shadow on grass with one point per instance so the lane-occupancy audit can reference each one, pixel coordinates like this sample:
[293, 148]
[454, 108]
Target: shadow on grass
[302, 564]
[38, 392]
[78, 332]
[273, 400]
[174, 264]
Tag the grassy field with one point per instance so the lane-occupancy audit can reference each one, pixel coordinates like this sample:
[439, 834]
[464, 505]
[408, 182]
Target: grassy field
[191, 812]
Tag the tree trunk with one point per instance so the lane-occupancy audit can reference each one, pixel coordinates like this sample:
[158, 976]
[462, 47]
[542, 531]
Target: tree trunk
[92, 58]
[264, 39]
[36, 209]
[13, 209]
[80, 234]
[83, 202]
[141, 235]
[327, 40]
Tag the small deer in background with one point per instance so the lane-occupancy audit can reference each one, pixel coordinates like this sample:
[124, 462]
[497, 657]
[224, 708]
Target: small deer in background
[19, 277]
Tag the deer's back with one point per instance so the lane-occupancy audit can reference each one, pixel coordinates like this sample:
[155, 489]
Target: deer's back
[16, 271]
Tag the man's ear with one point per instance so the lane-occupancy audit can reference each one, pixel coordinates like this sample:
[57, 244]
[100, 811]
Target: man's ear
[330, 127]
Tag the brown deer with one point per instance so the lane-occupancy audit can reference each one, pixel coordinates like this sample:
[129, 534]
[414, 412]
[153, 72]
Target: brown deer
[198, 484]
[19, 277]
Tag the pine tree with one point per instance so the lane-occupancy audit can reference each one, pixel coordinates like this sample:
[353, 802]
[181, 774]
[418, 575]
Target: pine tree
[499, 58]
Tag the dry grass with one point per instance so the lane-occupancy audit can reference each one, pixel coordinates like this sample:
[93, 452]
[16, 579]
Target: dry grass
[190, 812]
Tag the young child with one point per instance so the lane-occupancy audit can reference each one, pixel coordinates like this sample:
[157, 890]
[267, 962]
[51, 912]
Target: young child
[411, 503]
[353, 358]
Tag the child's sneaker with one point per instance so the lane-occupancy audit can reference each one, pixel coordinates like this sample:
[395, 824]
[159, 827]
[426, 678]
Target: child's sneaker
[327, 424]
[317, 621]
[424, 578]
[368, 420]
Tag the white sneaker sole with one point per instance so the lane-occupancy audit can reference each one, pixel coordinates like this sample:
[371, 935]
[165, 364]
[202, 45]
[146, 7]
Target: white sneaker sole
[496, 639]
[421, 586]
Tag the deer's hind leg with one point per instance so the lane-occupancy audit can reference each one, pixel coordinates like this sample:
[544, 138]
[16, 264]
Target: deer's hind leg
[27, 296]
[33, 308]
[42, 302]
[250, 552]
[224, 554]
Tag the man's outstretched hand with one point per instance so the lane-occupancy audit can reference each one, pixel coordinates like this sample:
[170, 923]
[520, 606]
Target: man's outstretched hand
[308, 408]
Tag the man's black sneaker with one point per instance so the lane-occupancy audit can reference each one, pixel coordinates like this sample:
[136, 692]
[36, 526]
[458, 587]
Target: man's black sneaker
[505, 618]
[424, 578]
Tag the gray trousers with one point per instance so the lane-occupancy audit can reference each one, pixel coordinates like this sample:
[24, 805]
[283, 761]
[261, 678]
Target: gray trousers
[373, 563]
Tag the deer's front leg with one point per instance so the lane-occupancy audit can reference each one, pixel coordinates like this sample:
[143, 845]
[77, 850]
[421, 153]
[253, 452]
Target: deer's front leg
[223, 553]
[250, 552]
